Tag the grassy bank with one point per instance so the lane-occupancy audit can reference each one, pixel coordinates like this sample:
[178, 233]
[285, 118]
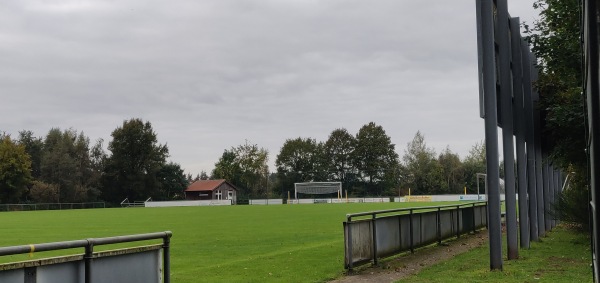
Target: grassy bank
[562, 256]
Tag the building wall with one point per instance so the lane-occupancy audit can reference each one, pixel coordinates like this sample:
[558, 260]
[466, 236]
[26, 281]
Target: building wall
[225, 188]
[214, 195]
[204, 195]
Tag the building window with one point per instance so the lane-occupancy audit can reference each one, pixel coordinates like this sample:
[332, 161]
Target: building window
[218, 194]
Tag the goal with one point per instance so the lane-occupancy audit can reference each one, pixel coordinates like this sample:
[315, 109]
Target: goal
[318, 188]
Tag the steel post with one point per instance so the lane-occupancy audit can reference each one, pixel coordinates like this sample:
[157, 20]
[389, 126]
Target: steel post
[555, 195]
[539, 160]
[88, 257]
[520, 131]
[531, 176]
[374, 237]
[167, 257]
[491, 131]
[506, 103]
[592, 92]
[412, 242]
[439, 228]
[548, 177]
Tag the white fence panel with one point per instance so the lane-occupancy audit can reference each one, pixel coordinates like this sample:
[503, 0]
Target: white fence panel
[186, 203]
[265, 201]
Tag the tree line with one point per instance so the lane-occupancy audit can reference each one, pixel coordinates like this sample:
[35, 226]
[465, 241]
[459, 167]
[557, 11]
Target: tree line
[366, 164]
[556, 41]
[64, 166]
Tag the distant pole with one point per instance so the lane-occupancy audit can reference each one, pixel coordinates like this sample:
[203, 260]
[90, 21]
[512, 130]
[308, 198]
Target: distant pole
[548, 176]
[554, 194]
[267, 185]
[486, 20]
[478, 186]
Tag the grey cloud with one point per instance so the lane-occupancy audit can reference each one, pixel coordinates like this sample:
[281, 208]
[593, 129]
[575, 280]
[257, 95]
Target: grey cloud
[211, 74]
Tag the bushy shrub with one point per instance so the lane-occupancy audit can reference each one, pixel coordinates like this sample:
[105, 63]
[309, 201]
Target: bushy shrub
[573, 203]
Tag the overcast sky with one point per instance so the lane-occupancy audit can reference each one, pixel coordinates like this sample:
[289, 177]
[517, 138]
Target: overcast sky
[211, 74]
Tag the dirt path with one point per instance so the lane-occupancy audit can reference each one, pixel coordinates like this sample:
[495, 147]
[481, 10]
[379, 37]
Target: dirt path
[406, 265]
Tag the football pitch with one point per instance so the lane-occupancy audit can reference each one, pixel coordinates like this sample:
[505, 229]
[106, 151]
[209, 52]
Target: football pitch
[276, 243]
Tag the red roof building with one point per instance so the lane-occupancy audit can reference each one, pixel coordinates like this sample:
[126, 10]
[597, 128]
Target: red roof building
[211, 190]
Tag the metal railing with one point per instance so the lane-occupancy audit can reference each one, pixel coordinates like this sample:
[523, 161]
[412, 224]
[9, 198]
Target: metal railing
[369, 236]
[50, 206]
[137, 203]
[90, 255]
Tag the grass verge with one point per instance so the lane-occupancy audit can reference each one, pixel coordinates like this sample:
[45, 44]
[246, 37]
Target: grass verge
[562, 256]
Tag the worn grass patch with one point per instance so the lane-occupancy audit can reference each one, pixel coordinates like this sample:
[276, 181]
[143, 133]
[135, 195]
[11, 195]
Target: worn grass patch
[562, 256]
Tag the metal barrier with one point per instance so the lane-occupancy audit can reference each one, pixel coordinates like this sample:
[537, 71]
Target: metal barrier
[400, 230]
[51, 206]
[137, 203]
[139, 264]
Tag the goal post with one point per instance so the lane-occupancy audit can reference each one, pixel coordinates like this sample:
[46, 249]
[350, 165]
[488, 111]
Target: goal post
[318, 188]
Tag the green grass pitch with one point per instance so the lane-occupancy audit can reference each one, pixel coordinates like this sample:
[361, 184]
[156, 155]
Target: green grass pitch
[276, 243]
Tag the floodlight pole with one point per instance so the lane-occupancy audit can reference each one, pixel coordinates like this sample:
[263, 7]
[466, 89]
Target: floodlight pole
[486, 33]
[529, 140]
[537, 142]
[506, 103]
[520, 132]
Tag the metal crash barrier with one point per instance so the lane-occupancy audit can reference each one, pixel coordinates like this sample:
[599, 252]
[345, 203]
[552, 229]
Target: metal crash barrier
[369, 236]
[150, 263]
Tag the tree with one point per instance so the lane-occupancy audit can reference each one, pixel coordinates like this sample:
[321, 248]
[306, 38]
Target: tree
[68, 163]
[246, 167]
[44, 193]
[338, 155]
[253, 165]
[424, 174]
[132, 168]
[375, 158]
[57, 162]
[173, 182]
[555, 40]
[300, 160]
[300, 157]
[33, 147]
[15, 170]
[98, 159]
[228, 168]
[452, 171]
[475, 162]
[203, 175]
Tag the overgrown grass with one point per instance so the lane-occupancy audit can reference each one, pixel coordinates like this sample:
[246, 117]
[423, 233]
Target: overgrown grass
[279, 243]
[562, 256]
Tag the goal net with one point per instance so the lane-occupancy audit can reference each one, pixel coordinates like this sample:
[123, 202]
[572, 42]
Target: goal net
[318, 188]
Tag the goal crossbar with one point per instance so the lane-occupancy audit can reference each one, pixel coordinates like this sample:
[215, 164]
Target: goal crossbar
[317, 188]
